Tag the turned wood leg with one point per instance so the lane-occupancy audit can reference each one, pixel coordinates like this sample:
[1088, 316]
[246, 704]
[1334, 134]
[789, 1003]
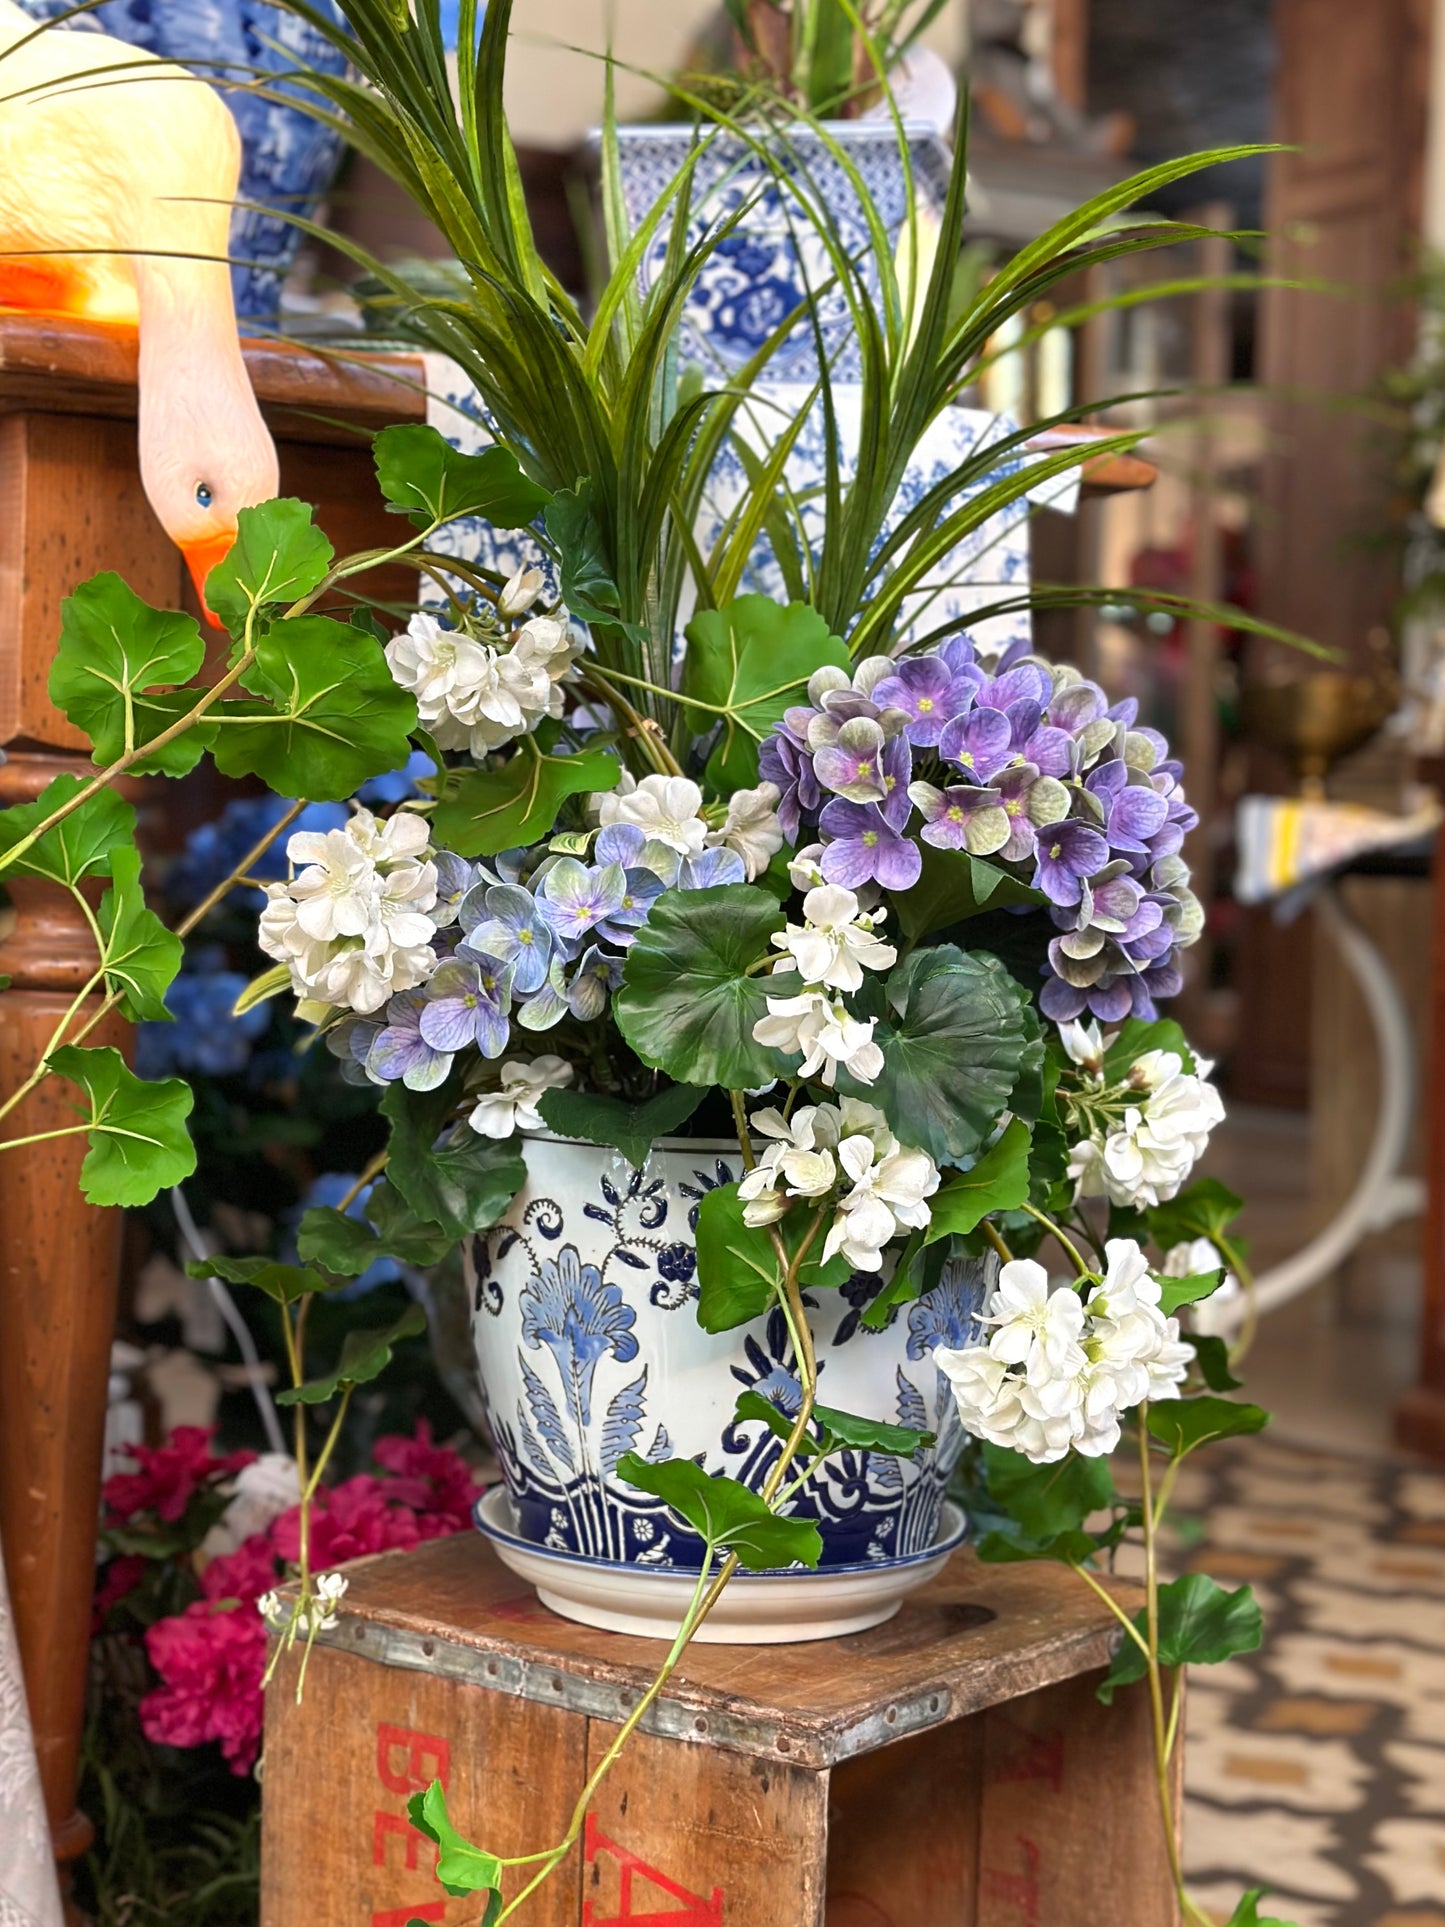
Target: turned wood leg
[58, 1264]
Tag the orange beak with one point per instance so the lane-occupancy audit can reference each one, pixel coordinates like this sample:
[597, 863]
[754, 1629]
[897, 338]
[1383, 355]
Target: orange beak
[201, 558]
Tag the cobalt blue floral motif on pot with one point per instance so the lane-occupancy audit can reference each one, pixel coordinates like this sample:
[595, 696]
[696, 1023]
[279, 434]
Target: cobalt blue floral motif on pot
[773, 262]
[289, 159]
[584, 1319]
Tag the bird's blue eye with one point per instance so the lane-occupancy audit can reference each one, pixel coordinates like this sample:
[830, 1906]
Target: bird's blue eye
[204, 495]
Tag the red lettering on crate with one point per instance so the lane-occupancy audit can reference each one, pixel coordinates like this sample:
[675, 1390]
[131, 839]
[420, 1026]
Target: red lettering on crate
[694, 1912]
[400, 1916]
[1019, 1890]
[397, 1826]
[428, 1758]
[1031, 1756]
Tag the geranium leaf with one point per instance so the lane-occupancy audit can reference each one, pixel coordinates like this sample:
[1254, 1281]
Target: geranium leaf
[80, 846]
[401, 1234]
[952, 886]
[687, 1005]
[1213, 1357]
[114, 649]
[739, 1272]
[729, 1516]
[998, 1182]
[331, 715]
[1045, 1500]
[346, 1247]
[420, 473]
[956, 1040]
[1200, 1624]
[141, 956]
[632, 1129]
[461, 1867]
[1135, 1037]
[459, 1185]
[364, 1356]
[917, 1272]
[279, 555]
[481, 811]
[869, 1434]
[1205, 1209]
[138, 1139]
[1174, 1293]
[1184, 1424]
[282, 1283]
[589, 588]
[750, 661]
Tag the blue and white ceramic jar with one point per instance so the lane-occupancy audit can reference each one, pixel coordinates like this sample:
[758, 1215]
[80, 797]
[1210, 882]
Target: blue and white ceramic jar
[289, 158]
[773, 260]
[584, 1321]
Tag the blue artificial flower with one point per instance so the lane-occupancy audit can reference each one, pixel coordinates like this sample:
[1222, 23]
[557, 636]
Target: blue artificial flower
[513, 931]
[398, 1049]
[206, 1035]
[597, 975]
[709, 869]
[465, 1003]
[574, 899]
[398, 785]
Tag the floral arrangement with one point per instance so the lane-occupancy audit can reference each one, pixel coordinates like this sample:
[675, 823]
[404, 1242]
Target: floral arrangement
[896, 911]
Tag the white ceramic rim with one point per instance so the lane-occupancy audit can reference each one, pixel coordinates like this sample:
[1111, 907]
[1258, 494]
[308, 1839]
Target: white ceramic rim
[496, 1500]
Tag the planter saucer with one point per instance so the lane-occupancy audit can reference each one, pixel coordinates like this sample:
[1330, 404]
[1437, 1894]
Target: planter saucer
[756, 1609]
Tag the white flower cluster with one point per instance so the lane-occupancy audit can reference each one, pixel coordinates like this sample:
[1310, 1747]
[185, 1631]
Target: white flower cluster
[1144, 1136]
[826, 1146]
[1059, 1371]
[316, 1614]
[1213, 1315]
[353, 925]
[513, 1107]
[830, 949]
[669, 810]
[472, 694]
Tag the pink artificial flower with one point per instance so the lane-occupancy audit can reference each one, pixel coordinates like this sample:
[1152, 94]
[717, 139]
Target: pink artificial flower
[211, 1660]
[243, 1574]
[120, 1577]
[348, 1521]
[170, 1475]
[447, 1486]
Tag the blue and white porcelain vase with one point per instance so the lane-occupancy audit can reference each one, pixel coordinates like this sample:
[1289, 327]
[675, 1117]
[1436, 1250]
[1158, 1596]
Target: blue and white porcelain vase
[289, 158]
[587, 1340]
[773, 260]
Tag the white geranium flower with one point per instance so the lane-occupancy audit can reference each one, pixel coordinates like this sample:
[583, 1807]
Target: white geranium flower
[825, 1033]
[514, 1107]
[436, 664]
[751, 827]
[520, 593]
[473, 696]
[355, 925]
[665, 808]
[836, 942]
[889, 1195]
[805, 867]
[997, 1404]
[1084, 1045]
[1145, 1156]
[1034, 1327]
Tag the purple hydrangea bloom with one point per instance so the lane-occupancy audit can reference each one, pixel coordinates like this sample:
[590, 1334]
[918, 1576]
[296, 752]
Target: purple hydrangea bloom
[865, 847]
[709, 869]
[962, 817]
[1026, 682]
[466, 1003]
[1068, 854]
[930, 694]
[785, 759]
[852, 765]
[980, 743]
[398, 1049]
[1133, 812]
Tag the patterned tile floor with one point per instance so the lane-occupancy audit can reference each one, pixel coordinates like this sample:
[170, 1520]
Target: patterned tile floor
[1318, 1765]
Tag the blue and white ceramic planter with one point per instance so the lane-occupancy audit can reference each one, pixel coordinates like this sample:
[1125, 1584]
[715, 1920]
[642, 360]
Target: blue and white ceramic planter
[773, 261]
[289, 159]
[588, 1345]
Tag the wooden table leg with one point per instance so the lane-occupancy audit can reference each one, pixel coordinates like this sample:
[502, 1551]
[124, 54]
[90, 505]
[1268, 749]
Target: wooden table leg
[58, 1263]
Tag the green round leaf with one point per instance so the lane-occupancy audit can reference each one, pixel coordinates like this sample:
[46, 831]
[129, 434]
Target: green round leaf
[956, 1039]
[687, 1005]
[113, 649]
[728, 1515]
[420, 473]
[138, 1139]
[279, 555]
[481, 811]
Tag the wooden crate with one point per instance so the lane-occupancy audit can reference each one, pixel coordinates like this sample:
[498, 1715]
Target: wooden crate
[952, 1768]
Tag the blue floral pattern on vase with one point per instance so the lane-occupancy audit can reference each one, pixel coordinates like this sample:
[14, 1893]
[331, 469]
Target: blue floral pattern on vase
[289, 158]
[589, 1347]
[773, 261]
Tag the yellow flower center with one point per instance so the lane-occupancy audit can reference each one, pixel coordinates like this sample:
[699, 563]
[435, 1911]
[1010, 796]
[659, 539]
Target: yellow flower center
[925, 703]
[870, 837]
